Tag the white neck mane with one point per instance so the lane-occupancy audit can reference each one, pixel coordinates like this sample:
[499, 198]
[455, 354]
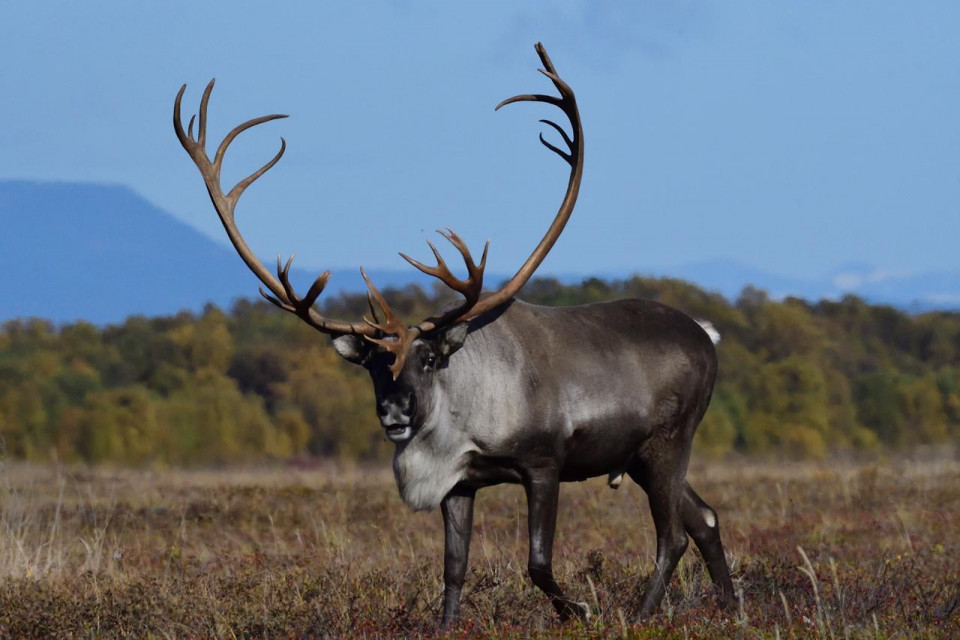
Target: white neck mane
[433, 461]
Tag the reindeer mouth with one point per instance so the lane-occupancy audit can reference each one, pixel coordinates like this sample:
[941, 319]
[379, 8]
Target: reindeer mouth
[399, 433]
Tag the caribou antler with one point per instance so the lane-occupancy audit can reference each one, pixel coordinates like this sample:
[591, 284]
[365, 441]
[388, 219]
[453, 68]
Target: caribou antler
[390, 334]
[225, 204]
[473, 307]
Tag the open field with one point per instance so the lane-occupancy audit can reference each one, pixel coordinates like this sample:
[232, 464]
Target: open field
[834, 550]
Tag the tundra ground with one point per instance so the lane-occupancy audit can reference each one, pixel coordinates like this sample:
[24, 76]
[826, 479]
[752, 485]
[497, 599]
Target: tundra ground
[832, 550]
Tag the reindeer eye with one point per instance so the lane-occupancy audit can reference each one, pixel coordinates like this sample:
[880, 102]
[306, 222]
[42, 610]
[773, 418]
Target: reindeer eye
[430, 361]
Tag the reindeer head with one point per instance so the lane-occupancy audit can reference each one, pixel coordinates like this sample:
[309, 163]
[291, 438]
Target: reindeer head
[404, 400]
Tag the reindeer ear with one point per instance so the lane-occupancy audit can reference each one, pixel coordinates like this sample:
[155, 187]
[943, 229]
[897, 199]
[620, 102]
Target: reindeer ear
[351, 348]
[452, 339]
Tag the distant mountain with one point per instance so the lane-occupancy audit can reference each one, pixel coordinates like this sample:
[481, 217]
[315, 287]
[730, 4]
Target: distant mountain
[101, 253]
[729, 277]
[911, 292]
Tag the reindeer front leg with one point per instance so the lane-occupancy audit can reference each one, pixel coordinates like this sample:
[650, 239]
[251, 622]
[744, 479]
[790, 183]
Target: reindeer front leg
[457, 509]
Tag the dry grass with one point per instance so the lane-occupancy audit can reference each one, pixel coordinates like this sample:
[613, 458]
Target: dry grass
[817, 550]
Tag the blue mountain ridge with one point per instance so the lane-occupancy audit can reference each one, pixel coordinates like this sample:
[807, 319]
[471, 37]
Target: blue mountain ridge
[100, 253]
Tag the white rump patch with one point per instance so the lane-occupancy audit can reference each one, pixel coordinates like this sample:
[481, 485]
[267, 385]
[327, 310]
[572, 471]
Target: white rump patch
[711, 331]
[710, 517]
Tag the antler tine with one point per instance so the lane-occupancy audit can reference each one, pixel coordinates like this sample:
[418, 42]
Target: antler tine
[392, 326]
[392, 323]
[236, 131]
[562, 104]
[202, 120]
[545, 58]
[373, 311]
[283, 275]
[178, 121]
[430, 271]
[470, 287]
[458, 242]
[551, 72]
[529, 97]
[300, 306]
[559, 130]
[316, 289]
[473, 284]
[566, 156]
[283, 294]
[241, 186]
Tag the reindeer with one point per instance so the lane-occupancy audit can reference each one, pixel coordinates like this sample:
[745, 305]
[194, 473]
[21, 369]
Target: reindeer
[496, 390]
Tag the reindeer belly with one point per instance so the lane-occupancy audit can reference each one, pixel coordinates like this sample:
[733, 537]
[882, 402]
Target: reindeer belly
[604, 426]
[602, 446]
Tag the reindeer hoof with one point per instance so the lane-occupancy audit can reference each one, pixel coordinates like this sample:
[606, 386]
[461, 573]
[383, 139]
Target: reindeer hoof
[579, 610]
[584, 612]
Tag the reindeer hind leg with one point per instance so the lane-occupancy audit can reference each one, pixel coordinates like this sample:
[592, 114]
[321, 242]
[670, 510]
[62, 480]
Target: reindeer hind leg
[661, 474]
[701, 522]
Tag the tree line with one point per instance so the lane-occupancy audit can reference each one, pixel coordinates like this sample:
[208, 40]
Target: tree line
[249, 384]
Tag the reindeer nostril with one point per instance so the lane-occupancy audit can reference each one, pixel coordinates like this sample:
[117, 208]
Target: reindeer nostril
[410, 406]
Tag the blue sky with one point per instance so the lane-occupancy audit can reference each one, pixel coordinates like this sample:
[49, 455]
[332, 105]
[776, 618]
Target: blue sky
[794, 136]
